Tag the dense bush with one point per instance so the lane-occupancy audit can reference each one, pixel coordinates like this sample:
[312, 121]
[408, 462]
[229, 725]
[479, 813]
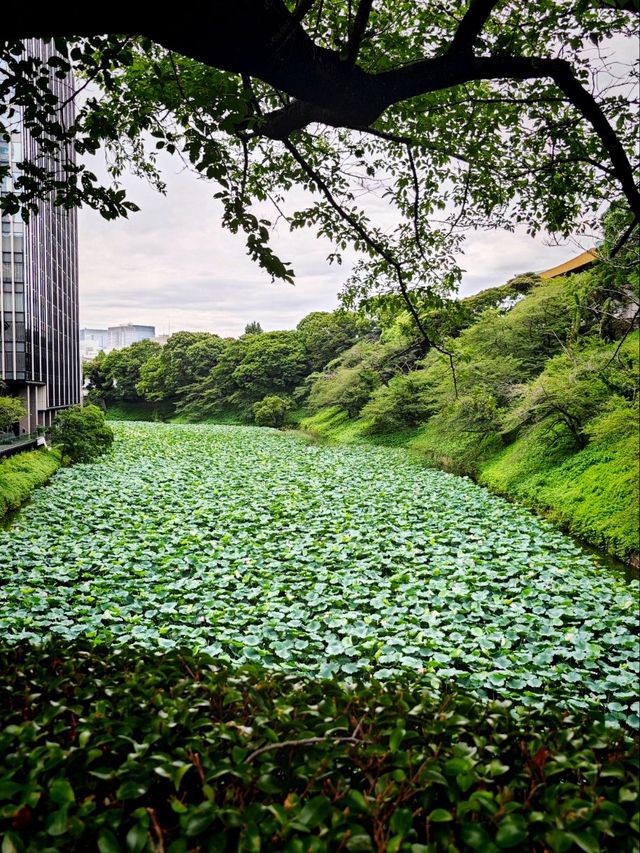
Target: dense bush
[406, 400]
[11, 410]
[272, 410]
[81, 433]
[348, 387]
[169, 752]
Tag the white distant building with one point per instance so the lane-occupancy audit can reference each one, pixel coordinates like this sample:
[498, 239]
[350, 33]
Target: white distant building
[93, 341]
[127, 334]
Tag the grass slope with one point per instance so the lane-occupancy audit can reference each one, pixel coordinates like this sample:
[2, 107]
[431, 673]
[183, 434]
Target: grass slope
[21, 474]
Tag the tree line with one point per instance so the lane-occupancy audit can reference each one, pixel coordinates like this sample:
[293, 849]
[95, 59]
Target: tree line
[202, 375]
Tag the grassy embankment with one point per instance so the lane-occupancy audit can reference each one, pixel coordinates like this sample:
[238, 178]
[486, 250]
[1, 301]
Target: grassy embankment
[21, 474]
[591, 492]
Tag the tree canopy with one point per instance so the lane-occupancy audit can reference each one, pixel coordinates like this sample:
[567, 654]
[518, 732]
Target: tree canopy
[407, 123]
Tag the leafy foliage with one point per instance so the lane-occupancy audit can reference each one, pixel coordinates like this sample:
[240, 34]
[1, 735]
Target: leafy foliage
[573, 388]
[121, 751]
[354, 563]
[186, 358]
[116, 375]
[272, 410]
[11, 410]
[81, 433]
[327, 334]
[203, 375]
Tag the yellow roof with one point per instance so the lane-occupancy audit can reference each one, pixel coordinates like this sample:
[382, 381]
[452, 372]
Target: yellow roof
[574, 265]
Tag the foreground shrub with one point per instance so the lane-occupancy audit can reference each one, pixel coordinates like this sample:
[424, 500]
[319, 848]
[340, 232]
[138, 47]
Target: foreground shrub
[167, 752]
[82, 433]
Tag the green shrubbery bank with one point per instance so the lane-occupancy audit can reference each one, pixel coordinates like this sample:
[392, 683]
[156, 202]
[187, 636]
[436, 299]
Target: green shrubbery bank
[21, 474]
[79, 434]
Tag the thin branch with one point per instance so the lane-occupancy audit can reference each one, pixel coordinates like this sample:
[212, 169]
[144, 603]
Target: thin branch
[589, 108]
[622, 240]
[245, 167]
[463, 206]
[309, 741]
[92, 76]
[383, 134]
[157, 829]
[416, 203]
[177, 78]
[303, 7]
[632, 323]
[357, 32]
[318, 19]
[377, 247]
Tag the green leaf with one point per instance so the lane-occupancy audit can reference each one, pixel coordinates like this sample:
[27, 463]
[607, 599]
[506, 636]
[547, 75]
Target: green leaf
[396, 738]
[11, 844]
[440, 816]
[355, 800]
[315, 812]
[251, 839]
[401, 821]
[585, 841]
[57, 822]
[475, 836]
[108, 843]
[137, 838]
[131, 790]
[9, 789]
[512, 831]
[61, 792]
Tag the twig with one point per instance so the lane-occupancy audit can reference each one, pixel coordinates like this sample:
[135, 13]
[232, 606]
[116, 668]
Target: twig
[357, 33]
[156, 828]
[286, 744]
[416, 203]
[189, 670]
[623, 238]
[632, 323]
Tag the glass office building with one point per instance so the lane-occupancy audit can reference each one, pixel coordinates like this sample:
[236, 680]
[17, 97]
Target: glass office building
[39, 323]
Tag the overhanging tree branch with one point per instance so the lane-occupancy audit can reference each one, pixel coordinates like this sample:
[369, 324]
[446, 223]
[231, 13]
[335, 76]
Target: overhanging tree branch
[378, 248]
[245, 36]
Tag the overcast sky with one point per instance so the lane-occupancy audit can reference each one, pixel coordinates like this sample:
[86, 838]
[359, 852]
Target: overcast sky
[172, 265]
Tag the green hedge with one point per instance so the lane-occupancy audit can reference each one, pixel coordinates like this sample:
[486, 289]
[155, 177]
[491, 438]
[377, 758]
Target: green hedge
[105, 750]
[20, 474]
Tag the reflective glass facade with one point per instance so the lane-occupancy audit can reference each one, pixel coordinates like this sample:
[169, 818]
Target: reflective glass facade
[39, 328]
